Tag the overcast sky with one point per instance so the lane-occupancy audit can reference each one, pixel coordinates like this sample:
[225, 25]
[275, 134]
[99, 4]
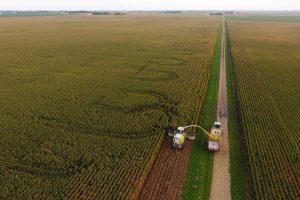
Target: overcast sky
[150, 4]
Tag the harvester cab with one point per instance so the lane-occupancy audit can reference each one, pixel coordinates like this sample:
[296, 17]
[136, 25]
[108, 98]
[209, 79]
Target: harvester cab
[179, 137]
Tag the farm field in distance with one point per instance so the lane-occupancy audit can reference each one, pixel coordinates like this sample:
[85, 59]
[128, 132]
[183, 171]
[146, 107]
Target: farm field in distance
[85, 100]
[292, 17]
[266, 66]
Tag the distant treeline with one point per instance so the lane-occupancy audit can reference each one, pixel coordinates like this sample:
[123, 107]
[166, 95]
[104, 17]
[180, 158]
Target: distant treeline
[171, 11]
[216, 13]
[108, 13]
[221, 13]
[8, 13]
[95, 13]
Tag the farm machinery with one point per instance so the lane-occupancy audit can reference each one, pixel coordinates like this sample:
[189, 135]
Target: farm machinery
[179, 135]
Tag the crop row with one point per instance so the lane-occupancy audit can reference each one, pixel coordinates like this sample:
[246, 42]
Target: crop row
[270, 119]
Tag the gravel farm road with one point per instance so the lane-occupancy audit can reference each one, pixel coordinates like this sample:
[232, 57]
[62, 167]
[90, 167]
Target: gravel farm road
[220, 187]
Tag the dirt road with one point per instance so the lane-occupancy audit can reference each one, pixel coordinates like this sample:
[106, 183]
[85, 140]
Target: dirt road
[220, 188]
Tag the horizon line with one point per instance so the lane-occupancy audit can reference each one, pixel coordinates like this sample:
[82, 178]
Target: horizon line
[293, 10]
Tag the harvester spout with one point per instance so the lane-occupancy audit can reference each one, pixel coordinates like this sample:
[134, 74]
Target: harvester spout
[210, 136]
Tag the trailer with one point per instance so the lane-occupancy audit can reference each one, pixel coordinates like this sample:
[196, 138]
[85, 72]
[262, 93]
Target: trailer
[213, 145]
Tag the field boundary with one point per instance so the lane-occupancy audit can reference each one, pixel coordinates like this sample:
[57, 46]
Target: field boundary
[239, 166]
[199, 174]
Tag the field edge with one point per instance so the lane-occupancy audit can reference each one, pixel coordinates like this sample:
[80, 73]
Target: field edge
[148, 168]
[239, 166]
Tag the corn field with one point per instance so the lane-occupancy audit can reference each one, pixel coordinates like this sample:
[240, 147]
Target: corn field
[266, 64]
[85, 101]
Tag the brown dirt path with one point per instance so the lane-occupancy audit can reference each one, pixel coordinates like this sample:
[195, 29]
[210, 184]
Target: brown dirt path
[167, 177]
[220, 188]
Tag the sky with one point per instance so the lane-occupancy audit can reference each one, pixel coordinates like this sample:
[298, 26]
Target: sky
[149, 4]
